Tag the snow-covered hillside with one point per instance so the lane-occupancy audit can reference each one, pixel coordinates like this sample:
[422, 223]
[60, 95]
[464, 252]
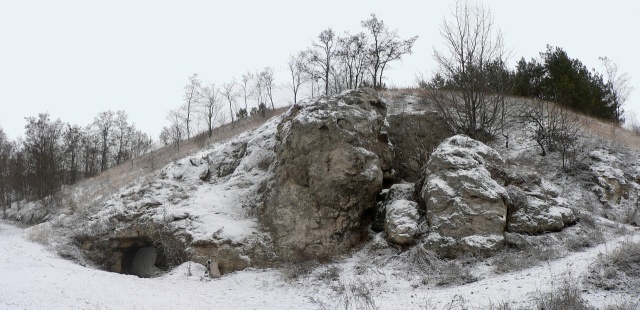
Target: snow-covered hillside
[312, 244]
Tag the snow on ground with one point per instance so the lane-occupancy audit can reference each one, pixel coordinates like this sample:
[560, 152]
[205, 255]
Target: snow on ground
[33, 278]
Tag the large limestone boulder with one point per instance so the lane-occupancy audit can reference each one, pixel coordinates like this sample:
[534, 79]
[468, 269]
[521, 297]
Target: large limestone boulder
[397, 214]
[535, 206]
[465, 207]
[401, 222]
[401, 191]
[332, 155]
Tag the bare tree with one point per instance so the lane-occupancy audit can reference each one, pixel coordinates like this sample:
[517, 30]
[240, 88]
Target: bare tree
[618, 84]
[472, 43]
[339, 76]
[267, 79]
[72, 148]
[314, 80]
[122, 132]
[176, 130]
[536, 113]
[229, 92]
[43, 151]
[140, 143]
[153, 157]
[246, 88]
[555, 129]
[165, 136]
[354, 55]
[211, 106]
[259, 89]
[104, 122]
[322, 55]
[386, 47]
[191, 98]
[298, 69]
[17, 173]
[90, 150]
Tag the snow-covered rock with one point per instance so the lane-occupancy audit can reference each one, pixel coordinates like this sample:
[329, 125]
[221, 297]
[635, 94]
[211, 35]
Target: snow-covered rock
[227, 159]
[611, 184]
[465, 207]
[332, 155]
[397, 214]
[192, 168]
[405, 191]
[401, 222]
[532, 212]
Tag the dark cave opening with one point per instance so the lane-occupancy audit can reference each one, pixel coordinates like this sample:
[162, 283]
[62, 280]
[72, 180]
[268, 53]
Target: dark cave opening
[139, 257]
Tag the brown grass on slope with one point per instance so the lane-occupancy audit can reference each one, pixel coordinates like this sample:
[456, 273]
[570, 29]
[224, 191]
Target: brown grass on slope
[606, 131]
[117, 177]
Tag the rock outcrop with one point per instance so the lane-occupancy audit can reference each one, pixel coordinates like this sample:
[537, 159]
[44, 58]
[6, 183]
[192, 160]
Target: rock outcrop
[225, 162]
[332, 156]
[536, 208]
[405, 191]
[465, 207]
[398, 214]
[307, 185]
[471, 200]
[401, 222]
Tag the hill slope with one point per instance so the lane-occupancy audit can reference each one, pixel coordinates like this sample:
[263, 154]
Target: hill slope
[212, 200]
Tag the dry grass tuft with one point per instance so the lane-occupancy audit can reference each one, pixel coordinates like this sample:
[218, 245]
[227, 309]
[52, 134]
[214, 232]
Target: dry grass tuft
[511, 260]
[618, 270]
[626, 304]
[41, 233]
[352, 295]
[567, 297]
[437, 271]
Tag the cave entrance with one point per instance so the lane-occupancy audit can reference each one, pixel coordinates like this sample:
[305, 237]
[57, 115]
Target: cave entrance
[139, 258]
[142, 255]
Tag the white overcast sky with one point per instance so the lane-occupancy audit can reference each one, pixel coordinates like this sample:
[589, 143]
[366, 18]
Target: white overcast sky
[75, 59]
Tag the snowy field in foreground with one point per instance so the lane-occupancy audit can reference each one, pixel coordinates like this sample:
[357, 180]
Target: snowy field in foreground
[33, 278]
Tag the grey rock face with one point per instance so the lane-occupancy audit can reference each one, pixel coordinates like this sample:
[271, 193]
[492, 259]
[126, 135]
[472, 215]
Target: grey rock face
[398, 214]
[226, 161]
[190, 168]
[533, 212]
[403, 191]
[332, 155]
[465, 207]
[401, 222]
